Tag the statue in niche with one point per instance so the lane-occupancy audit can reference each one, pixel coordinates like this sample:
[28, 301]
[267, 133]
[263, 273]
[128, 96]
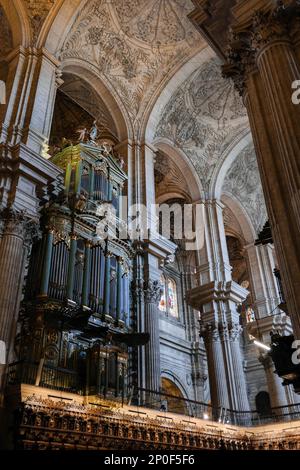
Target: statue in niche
[250, 315]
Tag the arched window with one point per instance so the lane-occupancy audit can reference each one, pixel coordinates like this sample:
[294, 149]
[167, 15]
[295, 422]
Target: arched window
[163, 302]
[172, 298]
[168, 301]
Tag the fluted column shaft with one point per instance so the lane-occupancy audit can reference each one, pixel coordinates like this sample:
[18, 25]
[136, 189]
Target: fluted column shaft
[239, 394]
[276, 390]
[216, 367]
[11, 266]
[152, 353]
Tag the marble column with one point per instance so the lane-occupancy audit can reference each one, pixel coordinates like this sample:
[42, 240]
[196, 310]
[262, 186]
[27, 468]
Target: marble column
[276, 390]
[152, 293]
[11, 275]
[216, 367]
[217, 297]
[263, 60]
[239, 392]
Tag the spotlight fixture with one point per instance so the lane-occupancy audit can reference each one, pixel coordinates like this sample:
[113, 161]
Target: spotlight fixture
[261, 345]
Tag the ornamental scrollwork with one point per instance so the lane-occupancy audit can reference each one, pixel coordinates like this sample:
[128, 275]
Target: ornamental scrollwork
[152, 291]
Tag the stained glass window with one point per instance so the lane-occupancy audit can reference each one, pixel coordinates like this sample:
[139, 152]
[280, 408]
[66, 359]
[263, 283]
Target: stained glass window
[162, 302]
[168, 301]
[172, 298]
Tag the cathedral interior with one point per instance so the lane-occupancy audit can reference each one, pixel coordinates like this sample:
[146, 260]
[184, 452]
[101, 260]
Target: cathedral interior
[149, 224]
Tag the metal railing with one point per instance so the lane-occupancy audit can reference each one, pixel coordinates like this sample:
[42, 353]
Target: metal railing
[165, 402]
[70, 381]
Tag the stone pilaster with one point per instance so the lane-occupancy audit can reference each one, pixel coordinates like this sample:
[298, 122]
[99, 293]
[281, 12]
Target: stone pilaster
[152, 293]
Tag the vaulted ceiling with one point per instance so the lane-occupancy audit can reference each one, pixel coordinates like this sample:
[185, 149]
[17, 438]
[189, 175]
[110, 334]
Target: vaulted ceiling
[138, 47]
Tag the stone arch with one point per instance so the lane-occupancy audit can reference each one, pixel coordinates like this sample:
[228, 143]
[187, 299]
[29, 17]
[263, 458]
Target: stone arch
[60, 19]
[18, 21]
[88, 73]
[172, 377]
[241, 215]
[184, 165]
[226, 162]
[171, 385]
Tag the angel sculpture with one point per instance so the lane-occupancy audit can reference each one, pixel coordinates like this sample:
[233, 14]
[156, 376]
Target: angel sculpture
[82, 134]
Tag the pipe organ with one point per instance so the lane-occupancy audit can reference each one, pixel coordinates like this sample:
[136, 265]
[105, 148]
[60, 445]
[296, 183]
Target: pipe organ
[76, 323]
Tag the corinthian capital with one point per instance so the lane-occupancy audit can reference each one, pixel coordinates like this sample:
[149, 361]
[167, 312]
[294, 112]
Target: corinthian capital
[14, 222]
[269, 27]
[152, 291]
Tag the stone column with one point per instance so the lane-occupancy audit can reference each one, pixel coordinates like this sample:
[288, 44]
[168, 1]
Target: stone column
[264, 63]
[239, 392]
[152, 293]
[217, 297]
[11, 275]
[216, 367]
[276, 390]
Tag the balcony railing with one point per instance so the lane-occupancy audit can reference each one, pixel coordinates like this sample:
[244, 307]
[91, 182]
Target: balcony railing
[69, 381]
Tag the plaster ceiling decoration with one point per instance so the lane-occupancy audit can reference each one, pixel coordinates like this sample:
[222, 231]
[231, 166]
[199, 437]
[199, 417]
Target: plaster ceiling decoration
[135, 44]
[203, 117]
[160, 22]
[86, 97]
[243, 182]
